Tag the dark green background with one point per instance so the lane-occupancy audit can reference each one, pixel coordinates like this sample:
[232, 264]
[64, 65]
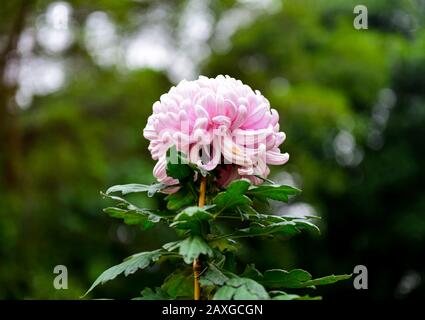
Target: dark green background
[352, 103]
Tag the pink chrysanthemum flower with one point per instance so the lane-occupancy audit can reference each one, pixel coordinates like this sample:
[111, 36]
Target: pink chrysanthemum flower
[221, 124]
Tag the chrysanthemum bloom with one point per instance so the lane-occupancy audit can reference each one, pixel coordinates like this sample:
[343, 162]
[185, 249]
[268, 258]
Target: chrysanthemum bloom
[221, 124]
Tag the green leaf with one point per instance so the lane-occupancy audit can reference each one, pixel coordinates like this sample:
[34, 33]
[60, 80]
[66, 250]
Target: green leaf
[225, 293]
[224, 244]
[286, 297]
[307, 297]
[257, 229]
[252, 273]
[177, 165]
[146, 220]
[268, 225]
[192, 219]
[277, 278]
[179, 285]
[190, 248]
[282, 228]
[149, 294]
[233, 196]
[182, 198]
[241, 289]
[297, 278]
[276, 225]
[327, 280]
[274, 192]
[193, 213]
[291, 227]
[132, 214]
[133, 187]
[129, 266]
[122, 202]
[280, 295]
[213, 277]
[247, 212]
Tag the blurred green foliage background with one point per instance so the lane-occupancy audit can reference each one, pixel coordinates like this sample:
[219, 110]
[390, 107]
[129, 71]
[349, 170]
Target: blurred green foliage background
[78, 82]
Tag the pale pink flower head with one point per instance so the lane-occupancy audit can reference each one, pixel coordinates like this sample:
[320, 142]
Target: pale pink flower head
[221, 124]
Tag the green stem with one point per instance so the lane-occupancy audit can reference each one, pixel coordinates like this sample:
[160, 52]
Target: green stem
[215, 215]
[196, 266]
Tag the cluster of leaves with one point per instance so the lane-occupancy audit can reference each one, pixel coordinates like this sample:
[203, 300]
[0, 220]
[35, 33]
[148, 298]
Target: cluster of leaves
[207, 235]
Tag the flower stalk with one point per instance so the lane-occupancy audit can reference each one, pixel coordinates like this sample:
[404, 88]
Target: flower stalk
[196, 263]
